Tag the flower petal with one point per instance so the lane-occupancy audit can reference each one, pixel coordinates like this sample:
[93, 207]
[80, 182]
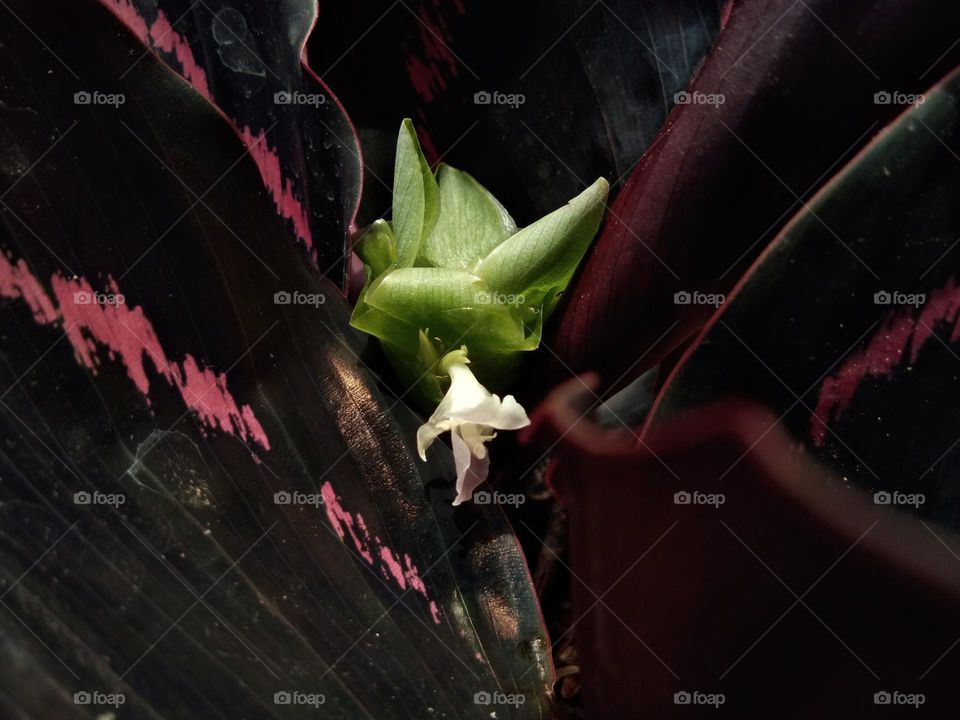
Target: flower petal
[510, 415]
[471, 470]
[426, 434]
[476, 436]
[506, 415]
[471, 414]
[471, 402]
[465, 393]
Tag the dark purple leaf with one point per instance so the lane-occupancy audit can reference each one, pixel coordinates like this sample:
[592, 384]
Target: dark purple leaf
[847, 326]
[247, 57]
[198, 398]
[799, 81]
[737, 545]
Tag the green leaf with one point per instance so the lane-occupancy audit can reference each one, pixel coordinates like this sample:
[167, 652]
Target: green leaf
[455, 305]
[377, 248]
[471, 224]
[408, 307]
[416, 197]
[539, 261]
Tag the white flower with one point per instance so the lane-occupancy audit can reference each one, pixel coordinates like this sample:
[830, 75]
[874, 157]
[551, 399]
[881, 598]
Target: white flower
[471, 414]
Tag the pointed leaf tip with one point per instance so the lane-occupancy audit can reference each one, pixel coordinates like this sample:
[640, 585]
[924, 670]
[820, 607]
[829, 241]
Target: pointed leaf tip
[471, 224]
[539, 260]
[416, 196]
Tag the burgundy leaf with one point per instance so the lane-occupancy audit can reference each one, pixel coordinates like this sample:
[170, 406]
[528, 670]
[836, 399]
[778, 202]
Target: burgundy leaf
[785, 523]
[248, 57]
[798, 82]
[712, 568]
[847, 325]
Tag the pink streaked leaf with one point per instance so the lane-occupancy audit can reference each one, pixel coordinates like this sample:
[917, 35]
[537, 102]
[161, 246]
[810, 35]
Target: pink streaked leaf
[306, 150]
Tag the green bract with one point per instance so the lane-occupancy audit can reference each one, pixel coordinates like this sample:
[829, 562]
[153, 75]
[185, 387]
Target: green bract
[452, 269]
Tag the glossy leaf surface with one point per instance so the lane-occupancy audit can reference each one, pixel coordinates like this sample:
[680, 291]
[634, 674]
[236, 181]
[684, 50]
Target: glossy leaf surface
[803, 87]
[861, 368]
[248, 58]
[277, 534]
